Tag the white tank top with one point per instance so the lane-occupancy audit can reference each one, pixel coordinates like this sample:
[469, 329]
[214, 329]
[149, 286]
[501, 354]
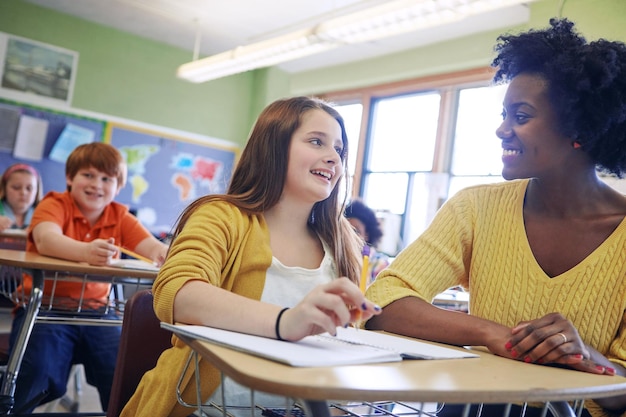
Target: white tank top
[284, 286]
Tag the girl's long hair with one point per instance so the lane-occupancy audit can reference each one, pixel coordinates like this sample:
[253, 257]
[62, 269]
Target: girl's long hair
[258, 180]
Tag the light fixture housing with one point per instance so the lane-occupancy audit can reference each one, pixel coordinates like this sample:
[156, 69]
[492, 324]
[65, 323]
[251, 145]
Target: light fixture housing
[388, 19]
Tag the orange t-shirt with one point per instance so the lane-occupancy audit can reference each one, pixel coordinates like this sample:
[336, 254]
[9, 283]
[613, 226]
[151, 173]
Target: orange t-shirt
[116, 222]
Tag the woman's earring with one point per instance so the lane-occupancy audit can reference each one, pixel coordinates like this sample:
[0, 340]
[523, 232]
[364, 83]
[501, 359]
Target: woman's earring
[576, 145]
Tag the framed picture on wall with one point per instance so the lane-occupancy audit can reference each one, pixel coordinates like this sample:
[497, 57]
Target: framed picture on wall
[36, 72]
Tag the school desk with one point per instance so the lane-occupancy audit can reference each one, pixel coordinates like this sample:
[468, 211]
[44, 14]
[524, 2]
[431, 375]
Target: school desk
[486, 379]
[13, 239]
[52, 270]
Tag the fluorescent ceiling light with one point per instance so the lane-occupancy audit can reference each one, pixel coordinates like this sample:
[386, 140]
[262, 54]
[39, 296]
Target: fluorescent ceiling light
[257, 55]
[389, 19]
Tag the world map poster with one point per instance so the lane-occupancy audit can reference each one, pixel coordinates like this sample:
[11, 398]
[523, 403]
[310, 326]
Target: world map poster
[166, 174]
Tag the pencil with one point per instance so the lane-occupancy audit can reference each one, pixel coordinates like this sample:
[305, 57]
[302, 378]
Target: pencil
[363, 281]
[135, 255]
[365, 268]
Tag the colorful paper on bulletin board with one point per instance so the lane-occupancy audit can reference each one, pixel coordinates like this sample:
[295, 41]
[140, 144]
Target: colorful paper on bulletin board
[71, 137]
[52, 172]
[31, 138]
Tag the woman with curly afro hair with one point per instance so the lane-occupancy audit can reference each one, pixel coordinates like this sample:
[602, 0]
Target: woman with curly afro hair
[541, 254]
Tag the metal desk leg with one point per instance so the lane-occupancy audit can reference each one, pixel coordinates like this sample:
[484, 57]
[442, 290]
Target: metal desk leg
[17, 353]
[561, 409]
[316, 408]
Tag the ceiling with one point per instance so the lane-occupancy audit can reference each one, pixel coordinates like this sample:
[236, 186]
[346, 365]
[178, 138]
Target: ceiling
[221, 25]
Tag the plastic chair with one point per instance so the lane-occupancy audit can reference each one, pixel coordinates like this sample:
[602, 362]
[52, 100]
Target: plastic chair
[142, 342]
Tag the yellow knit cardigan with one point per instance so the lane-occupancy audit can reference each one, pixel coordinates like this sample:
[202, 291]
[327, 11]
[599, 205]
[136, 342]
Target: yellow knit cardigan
[478, 241]
[220, 245]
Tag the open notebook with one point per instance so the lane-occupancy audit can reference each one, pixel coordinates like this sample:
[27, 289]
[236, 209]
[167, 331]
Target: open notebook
[133, 264]
[349, 347]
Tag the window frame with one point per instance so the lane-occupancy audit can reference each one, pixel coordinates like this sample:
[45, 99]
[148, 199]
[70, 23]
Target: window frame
[446, 84]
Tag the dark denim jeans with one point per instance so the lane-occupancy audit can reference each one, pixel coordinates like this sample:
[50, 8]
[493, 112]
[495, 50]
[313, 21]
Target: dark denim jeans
[51, 352]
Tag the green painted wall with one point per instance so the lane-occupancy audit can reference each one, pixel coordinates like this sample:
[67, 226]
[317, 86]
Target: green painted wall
[134, 78]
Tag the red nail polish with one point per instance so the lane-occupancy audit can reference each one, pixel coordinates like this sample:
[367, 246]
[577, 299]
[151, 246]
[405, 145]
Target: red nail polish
[514, 353]
[600, 368]
[610, 371]
[527, 359]
[508, 345]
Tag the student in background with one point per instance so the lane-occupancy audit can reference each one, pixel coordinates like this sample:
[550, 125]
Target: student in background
[20, 192]
[273, 257]
[82, 224]
[542, 254]
[364, 221]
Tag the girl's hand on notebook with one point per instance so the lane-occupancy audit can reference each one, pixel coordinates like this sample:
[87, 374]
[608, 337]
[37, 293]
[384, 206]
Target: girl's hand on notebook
[326, 307]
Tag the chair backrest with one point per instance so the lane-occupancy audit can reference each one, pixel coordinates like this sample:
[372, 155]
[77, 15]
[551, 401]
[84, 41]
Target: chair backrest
[143, 340]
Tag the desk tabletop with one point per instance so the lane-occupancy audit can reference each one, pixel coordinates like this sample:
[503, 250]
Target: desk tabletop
[22, 259]
[487, 379]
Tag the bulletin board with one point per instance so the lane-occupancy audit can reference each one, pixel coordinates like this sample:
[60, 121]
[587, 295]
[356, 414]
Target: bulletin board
[167, 172]
[52, 170]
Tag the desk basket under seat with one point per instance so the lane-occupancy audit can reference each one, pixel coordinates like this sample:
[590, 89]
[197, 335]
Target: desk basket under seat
[294, 407]
[56, 307]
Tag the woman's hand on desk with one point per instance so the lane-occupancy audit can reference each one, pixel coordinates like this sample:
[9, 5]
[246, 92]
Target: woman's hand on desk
[325, 308]
[553, 339]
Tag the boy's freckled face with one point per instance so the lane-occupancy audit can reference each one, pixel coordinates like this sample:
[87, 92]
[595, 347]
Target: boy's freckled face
[92, 190]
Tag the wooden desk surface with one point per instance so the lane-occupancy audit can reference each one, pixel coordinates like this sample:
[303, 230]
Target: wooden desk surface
[31, 260]
[487, 379]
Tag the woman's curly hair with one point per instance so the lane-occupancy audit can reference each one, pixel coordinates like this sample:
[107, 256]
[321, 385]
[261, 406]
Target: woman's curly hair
[586, 85]
[358, 210]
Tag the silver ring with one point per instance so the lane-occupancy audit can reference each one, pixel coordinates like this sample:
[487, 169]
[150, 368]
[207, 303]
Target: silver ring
[564, 337]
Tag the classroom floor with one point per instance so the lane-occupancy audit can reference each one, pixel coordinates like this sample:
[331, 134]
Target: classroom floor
[86, 399]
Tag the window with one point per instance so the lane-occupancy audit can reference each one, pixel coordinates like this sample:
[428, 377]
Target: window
[352, 115]
[403, 133]
[421, 143]
[476, 151]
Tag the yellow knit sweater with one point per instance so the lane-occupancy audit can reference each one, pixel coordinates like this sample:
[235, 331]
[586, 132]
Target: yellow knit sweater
[478, 241]
[220, 245]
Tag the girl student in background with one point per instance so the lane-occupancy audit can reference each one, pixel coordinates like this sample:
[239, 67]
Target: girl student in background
[20, 192]
[273, 257]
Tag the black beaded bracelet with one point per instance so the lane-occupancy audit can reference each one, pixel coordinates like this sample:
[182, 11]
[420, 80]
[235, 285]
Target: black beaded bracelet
[277, 327]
